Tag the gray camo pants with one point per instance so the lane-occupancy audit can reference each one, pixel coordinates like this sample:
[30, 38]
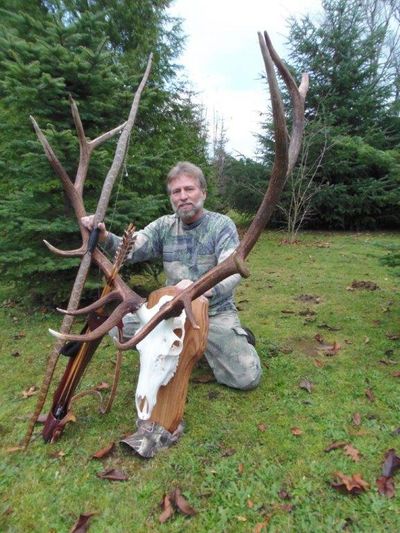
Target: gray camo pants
[233, 360]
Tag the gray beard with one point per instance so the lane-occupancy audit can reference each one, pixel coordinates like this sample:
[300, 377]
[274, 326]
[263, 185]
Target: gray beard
[188, 215]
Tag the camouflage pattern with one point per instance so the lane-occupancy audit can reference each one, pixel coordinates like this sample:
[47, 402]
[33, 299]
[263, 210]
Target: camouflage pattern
[150, 438]
[188, 251]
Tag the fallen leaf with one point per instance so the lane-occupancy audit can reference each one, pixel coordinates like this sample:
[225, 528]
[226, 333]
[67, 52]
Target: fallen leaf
[240, 468]
[393, 336]
[262, 525]
[227, 452]
[57, 455]
[102, 386]
[168, 510]
[175, 500]
[284, 495]
[262, 427]
[366, 340]
[385, 486]
[370, 395]
[182, 504]
[112, 475]
[335, 445]
[104, 452]
[82, 524]
[351, 484]
[296, 431]
[391, 463]
[27, 393]
[306, 384]
[356, 419]
[250, 504]
[241, 519]
[318, 363]
[396, 374]
[352, 452]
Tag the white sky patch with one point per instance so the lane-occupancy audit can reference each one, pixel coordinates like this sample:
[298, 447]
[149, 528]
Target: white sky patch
[223, 60]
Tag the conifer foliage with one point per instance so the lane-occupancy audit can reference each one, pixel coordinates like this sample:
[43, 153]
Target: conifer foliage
[95, 51]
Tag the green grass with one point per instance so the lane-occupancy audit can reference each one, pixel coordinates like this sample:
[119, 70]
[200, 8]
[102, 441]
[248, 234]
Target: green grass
[43, 492]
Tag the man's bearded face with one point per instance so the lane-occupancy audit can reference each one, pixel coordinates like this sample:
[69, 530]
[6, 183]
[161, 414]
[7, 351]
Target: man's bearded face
[187, 198]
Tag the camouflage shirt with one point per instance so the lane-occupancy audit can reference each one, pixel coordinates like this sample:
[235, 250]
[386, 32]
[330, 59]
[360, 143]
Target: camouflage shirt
[188, 251]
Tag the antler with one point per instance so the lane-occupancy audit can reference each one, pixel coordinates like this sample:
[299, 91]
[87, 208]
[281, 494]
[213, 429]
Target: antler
[88, 251]
[286, 153]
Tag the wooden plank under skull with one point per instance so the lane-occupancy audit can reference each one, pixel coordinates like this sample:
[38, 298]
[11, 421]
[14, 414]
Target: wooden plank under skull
[171, 398]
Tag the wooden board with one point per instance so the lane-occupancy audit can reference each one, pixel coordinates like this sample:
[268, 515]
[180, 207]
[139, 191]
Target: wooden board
[171, 398]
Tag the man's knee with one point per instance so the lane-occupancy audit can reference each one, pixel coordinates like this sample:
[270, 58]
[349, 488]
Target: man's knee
[247, 380]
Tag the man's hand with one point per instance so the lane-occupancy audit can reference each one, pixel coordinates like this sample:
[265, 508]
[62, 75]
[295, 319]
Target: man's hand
[88, 221]
[184, 283]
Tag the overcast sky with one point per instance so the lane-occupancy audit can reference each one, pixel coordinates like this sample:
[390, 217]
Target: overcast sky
[223, 60]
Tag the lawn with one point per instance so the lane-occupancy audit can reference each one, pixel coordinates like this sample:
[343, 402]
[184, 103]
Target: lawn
[325, 312]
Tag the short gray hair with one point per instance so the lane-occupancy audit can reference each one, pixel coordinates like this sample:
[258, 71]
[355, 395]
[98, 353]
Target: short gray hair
[188, 169]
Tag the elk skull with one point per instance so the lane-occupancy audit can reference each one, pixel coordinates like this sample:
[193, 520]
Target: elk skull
[159, 356]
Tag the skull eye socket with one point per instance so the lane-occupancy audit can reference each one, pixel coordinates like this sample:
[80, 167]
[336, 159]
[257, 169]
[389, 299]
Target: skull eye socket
[179, 333]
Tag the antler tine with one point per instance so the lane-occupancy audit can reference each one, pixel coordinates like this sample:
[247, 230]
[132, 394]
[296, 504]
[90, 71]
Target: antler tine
[298, 95]
[78, 252]
[128, 305]
[110, 297]
[75, 198]
[87, 146]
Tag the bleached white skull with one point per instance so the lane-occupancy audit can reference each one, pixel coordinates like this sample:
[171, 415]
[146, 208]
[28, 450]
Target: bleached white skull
[159, 356]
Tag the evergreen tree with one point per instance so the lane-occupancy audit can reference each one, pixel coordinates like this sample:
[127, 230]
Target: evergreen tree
[351, 55]
[95, 51]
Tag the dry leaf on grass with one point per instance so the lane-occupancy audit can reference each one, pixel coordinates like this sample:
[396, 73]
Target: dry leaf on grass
[352, 452]
[296, 431]
[262, 427]
[27, 393]
[82, 524]
[356, 419]
[112, 474]
[335, 445]
[385, 486]
[104, 452]
[391, 463]
[370, 395]
[102, 386]
[350, 484]
[175, 500]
